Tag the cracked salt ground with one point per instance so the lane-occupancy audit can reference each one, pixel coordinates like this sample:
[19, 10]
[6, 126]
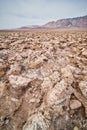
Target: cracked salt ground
[43, 80]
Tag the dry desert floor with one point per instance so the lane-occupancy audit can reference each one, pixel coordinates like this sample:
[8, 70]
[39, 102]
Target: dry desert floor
[43, 80]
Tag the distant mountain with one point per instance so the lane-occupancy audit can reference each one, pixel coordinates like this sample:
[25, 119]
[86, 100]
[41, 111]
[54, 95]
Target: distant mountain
[77, 22]
[30, 27]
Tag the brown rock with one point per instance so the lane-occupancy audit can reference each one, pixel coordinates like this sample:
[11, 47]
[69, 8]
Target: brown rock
[3, 67]
[2, 73]
[38, 122]
[83, 87]
[55, 76]
[47, 84]
[2, 88]
[67, 73]
[84, 53]
[75, 104]
[57, 95]
[18, 81]
[15, 69]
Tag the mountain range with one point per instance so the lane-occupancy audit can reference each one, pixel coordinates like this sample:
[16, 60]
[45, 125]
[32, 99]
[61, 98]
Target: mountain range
[77, 22]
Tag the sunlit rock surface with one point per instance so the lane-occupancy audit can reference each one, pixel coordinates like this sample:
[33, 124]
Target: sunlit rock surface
[43, 80]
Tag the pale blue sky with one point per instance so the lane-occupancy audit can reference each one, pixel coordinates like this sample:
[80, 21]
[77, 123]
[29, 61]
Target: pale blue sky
[17, 13]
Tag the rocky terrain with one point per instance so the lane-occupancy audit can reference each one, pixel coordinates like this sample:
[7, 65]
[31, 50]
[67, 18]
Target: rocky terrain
[43, 80]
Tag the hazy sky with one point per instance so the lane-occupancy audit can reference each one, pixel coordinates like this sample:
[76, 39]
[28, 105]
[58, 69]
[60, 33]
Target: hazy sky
[17, 13]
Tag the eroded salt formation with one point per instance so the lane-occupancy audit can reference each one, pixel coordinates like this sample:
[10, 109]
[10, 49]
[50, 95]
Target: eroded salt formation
[43, 80]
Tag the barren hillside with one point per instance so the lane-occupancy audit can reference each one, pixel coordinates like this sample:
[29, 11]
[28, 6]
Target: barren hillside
[78, 22]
